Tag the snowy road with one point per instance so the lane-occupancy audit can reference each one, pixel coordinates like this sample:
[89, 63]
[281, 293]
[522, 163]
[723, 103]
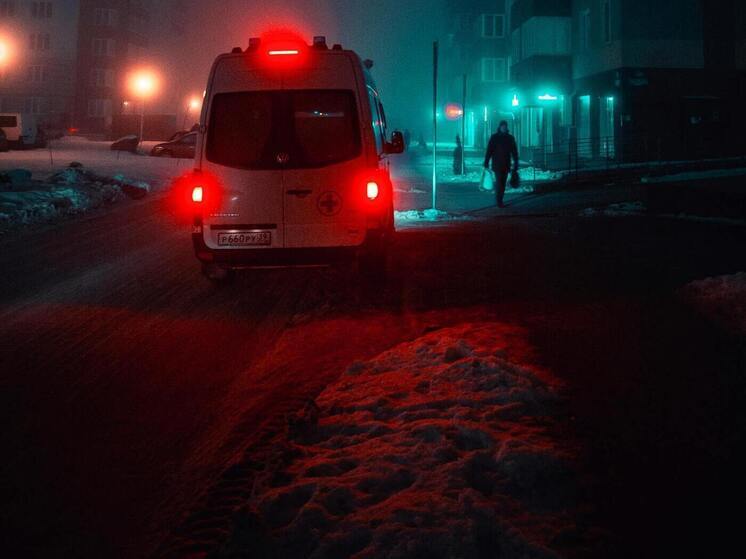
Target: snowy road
[129, 384]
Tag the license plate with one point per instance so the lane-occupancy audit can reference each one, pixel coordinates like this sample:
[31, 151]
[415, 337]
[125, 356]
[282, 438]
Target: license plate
[245, 239]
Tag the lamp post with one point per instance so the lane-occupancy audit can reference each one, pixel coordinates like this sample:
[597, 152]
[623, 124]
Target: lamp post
[193, 105]
[143, 84]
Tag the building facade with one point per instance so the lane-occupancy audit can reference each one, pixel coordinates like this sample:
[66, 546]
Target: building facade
[116, 39]
[628, 79]
[114, 36]
[476, 47]
[38, 70]
[541, 57]
[68, 61]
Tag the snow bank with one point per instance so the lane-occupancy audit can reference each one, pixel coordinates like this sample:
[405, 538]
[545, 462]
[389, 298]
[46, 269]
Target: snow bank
[24, 201]
[722, 299]
[156, 171]
[413, 217]
[440, 447]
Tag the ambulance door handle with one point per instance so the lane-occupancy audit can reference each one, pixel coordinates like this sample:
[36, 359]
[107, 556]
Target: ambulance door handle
[301, 192]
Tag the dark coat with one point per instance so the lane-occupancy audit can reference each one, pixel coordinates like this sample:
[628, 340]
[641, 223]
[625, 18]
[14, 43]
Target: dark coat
[500, 150]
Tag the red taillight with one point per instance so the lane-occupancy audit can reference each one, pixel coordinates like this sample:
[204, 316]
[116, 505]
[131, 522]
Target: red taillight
[372, 190]
[197, 194]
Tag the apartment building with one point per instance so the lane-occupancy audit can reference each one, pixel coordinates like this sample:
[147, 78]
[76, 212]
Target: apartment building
[541, 56]
[629, 79]
[117, 38]
[38, 72]
[68, 60]
[477, 46]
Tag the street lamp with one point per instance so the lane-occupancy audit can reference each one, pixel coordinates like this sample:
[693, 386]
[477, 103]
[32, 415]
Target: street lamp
[5, 53]
[143, 84]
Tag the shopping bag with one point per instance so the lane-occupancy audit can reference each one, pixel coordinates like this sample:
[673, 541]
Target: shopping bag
[515, 180]
[487, 182]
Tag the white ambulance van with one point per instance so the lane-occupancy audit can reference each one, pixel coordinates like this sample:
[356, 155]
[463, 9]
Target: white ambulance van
[291, 165]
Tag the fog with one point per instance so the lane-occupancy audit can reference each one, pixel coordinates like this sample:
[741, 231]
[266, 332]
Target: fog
[397, 35]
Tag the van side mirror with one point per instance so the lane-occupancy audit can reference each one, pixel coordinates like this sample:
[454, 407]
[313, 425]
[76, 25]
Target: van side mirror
[396, 145]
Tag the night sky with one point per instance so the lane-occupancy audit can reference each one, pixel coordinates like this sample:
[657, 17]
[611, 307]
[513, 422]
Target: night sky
[396, 35]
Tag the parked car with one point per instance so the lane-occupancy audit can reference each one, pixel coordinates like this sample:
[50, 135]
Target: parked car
[22, 130]
[183, 147]
[179, 134]
[3, 141]
[126, 143]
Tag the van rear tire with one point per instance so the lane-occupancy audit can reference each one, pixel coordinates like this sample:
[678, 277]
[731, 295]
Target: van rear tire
[217, 274]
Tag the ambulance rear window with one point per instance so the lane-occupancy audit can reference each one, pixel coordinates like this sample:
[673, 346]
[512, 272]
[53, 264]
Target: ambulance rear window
[240, 129]
[308, 128]
[325, 126]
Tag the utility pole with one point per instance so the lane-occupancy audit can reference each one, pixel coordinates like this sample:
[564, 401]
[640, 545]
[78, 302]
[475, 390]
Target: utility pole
[435, 120]
[463, 128]
[142, 119]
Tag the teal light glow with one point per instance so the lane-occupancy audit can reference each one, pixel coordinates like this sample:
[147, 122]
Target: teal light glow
[548, 97]
[516, 102]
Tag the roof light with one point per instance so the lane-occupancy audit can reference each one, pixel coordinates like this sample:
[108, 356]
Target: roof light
[372, 190]
[197, 194]
[285, 52]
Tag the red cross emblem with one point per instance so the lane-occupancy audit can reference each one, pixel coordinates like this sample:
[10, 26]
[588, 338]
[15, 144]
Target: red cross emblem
[329, 203]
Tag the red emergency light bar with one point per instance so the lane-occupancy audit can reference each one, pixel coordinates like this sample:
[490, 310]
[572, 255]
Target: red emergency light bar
[285, 52]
